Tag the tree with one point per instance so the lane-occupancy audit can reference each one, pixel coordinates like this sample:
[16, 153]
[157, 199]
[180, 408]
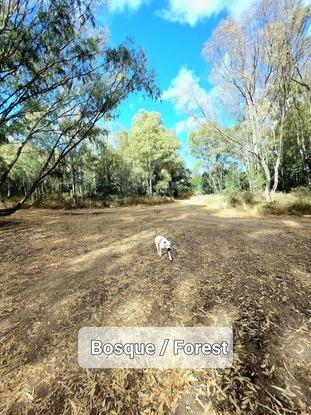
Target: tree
[296, 166]
[41, 52]
[217, 158]
[150, 146]
[255, 61]
[57, 82]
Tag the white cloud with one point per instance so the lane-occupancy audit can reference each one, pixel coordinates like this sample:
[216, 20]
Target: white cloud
[186, 93]
[185, 11]
[190, 99]
[238, 7]
[119, 6]
[192, 11]
[189, 124]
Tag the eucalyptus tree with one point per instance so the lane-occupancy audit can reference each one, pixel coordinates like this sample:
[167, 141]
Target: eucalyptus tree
[255, 61]
[296, 166]
[58, 78]
[150, 146]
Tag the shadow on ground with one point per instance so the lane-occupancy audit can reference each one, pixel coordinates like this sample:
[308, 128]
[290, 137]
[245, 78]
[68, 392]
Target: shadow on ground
[62, 270]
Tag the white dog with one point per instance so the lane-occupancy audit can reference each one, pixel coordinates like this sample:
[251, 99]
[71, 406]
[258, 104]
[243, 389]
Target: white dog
[163, 244]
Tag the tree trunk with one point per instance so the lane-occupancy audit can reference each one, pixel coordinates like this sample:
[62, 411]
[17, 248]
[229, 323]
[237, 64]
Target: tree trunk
[5, 174]
[45, 171]
[279, 156]
[10, 210]
[150, 184]
[280, 150]
[303, 154]
[276, 173]
[81, 182]
[73, 183]
[250, 180]
[8, 188]
[267, 177]
[214, 184]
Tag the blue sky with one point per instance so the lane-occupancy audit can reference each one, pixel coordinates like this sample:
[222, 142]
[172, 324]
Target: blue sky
[172, 32]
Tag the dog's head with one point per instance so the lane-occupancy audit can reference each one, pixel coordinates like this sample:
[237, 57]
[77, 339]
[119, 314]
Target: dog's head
[168, 245]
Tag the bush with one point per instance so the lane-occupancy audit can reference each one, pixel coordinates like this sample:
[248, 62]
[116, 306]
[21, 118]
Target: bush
[67, 202]
[233, 200]
[140, 200]
[249, 198]
[302, 193]
[298, 202]
[276, 207]
[301, 207]
[243, 199]
[9, 202]
[56, 201]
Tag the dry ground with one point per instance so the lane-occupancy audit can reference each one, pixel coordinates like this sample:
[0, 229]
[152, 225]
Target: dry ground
[61, 270]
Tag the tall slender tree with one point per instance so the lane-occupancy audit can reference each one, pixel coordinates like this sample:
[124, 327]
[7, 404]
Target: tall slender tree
[255, 60]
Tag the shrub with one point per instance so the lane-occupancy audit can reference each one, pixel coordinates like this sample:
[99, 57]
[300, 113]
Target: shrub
[68, 202]
[244, 199]
[298, 202]
[144, 200]
[300, 207]
[302, 193]
[233, 200]
[249, 198]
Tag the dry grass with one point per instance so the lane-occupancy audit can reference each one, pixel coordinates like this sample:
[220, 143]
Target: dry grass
[61, 270]
[297, 203]
[67, 202]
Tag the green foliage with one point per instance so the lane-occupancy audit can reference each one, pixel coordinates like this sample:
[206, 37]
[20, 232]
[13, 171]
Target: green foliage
[221, 171]
[260, 67]
[235, 180]
[151, 148]
[207, 184]
[296, 163]
[57, 80]
[232, 184]
[23, 173]
[150, 153]
[105, 173]
[163, 185]
[196, 183]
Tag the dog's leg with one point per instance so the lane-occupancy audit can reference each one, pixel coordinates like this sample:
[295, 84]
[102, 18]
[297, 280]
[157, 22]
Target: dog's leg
[158, 249]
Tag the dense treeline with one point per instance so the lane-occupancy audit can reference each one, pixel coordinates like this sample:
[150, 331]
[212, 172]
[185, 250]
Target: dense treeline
[261, 70]
[142, 161]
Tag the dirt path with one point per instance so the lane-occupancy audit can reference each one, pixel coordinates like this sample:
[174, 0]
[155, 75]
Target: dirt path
[61, 270]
